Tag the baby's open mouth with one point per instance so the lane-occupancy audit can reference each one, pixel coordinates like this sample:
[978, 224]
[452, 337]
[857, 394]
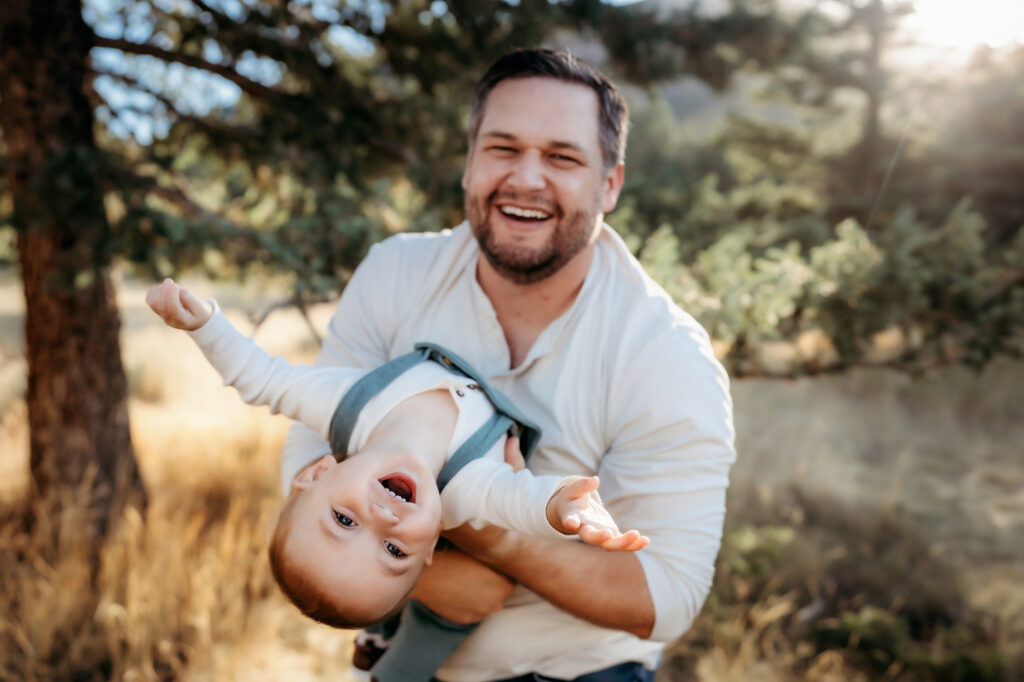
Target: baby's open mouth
[400, 486]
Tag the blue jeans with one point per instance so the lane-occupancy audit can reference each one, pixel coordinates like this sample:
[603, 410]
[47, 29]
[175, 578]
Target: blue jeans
[623, 672]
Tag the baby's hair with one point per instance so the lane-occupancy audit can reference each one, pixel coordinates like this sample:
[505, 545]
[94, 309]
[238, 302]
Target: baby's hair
[300, 590]
[310, 598]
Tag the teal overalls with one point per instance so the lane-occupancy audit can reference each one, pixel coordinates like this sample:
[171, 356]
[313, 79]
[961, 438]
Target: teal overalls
[422, 639]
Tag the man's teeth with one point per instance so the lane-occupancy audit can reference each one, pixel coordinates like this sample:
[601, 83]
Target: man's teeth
[396, 495]
[527, 213]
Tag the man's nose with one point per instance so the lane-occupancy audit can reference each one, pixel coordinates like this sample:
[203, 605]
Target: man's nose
[528, 172]
[383, 514]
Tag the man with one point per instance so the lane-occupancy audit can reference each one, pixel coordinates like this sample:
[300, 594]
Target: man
[559, 317]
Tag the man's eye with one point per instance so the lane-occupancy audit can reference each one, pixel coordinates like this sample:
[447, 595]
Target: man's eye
[563, 159]
[393, 550]
[497, 149]
[344, 520]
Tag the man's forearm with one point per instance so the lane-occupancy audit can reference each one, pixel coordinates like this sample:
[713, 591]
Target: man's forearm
[605, 588]
[460, 588]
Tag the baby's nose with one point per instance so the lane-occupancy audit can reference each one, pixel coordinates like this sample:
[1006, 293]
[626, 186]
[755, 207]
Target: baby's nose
[384, 514]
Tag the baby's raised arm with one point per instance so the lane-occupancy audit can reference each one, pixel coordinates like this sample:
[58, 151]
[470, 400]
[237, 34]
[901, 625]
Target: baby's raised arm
[576, 508]
[300, 392]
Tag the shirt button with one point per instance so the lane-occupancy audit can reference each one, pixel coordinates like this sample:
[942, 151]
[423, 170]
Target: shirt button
[459, 392]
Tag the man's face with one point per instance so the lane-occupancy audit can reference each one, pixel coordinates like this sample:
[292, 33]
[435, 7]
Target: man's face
[536, 184]
[366, 527]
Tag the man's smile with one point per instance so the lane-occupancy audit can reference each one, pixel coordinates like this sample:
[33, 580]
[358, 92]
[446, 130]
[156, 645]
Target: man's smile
[524, 213]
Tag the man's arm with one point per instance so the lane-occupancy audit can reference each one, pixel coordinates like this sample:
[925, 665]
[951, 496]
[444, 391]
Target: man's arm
[460, 588]
[665, 473]
[463, 589]
[605, 588]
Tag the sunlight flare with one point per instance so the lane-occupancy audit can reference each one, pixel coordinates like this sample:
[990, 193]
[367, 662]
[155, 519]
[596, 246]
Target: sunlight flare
[964, 26]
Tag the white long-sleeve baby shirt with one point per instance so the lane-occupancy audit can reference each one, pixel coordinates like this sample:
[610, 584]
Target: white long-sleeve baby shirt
[484, 491]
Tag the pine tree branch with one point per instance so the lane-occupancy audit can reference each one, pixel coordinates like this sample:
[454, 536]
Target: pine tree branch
[207, 124]
[1013, 279]
[257, 319]
[189, 208]
[300, 17]
[246, 84]
[217, 15]
[193, 210]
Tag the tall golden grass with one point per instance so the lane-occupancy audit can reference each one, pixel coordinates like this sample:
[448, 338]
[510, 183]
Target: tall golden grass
[184, 593]
[875, 530]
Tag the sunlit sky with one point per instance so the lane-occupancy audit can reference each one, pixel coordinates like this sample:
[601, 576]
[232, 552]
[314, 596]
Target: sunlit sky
[957, 24]
[963, 25]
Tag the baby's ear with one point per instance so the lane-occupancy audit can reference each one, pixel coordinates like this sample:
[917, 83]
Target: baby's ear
[313, 471]
[430, 554]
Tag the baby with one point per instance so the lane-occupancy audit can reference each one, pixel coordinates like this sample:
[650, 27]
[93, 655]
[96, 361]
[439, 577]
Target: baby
[359, 526]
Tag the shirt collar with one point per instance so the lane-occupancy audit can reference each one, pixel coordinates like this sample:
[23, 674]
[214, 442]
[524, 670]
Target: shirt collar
[547, 338]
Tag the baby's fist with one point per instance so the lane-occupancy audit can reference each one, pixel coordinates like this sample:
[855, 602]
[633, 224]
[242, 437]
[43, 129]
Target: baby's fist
[177, 306]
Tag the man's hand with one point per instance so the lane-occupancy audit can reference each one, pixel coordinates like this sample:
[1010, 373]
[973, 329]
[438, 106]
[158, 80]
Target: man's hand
[576, 508]
[177, 306]
[513, 455]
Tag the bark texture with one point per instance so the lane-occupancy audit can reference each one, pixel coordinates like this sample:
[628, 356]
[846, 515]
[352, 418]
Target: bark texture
[77, 390]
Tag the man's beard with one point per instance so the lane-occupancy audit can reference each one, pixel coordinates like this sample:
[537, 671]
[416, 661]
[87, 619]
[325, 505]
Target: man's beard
[526, 265]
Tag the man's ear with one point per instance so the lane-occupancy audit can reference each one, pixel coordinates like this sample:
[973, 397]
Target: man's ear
[613, 180]
[464, 181]
[312, 472]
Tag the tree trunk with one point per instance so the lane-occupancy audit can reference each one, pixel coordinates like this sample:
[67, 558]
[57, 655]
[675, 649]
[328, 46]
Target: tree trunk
[867, 170]
[77, 391]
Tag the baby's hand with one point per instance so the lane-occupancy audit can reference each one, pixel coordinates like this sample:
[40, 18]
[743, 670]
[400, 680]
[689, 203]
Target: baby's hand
[575, 508]
[177, 306]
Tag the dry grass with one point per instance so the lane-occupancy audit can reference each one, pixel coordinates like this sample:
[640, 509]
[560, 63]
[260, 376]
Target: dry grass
[876, 531]
[184, 593]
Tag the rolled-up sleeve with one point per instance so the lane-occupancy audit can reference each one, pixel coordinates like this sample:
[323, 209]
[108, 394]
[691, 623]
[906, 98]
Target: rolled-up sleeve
[667, 471]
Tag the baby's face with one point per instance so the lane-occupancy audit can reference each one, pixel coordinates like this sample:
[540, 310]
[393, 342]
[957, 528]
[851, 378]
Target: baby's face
[366, 527]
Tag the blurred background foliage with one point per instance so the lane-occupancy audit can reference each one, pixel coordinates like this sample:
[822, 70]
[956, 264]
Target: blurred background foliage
[799, 178]
[790, 176]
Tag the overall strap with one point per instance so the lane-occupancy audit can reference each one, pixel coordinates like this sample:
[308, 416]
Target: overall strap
[343, 423]
[506, 418]
[475, 446]
[529, 432]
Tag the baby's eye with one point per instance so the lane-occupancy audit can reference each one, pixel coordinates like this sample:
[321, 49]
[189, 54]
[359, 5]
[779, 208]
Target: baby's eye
[344, 520]
[393, 550]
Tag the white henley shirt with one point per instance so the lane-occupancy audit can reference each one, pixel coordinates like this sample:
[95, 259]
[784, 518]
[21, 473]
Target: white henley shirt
[624, 385]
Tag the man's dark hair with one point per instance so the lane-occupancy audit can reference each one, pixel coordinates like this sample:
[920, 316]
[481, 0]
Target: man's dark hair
[613, 118]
